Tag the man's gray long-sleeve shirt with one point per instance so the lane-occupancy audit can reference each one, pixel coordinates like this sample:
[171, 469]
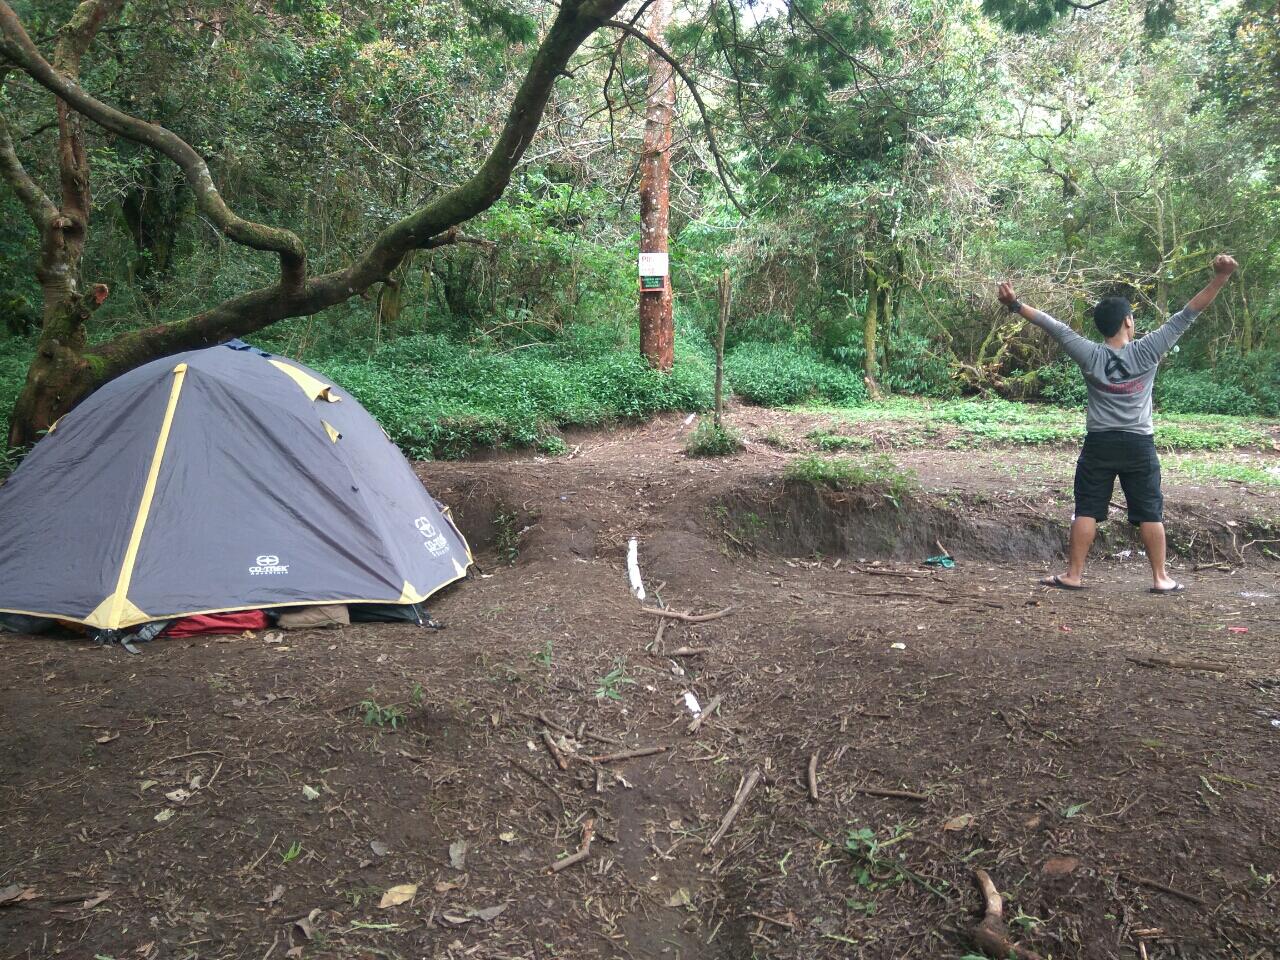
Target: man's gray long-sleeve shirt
[1119, 381]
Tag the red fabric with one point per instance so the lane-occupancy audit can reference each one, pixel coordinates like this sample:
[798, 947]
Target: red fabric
[217, 623]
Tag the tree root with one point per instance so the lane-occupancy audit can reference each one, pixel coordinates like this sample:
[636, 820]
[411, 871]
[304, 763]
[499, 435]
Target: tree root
[990, 935]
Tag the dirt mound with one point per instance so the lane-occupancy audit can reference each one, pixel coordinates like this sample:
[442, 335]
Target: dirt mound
[794, 518]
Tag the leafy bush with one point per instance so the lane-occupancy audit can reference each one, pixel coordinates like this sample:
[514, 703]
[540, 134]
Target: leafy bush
[1203, 391]
[709, 440]
[440, 398]
[774, 375]
[1061, 383]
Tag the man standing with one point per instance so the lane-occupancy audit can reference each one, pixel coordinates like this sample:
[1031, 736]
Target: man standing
[1119, 439]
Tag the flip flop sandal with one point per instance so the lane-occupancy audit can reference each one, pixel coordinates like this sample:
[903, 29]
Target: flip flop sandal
[1058, 582]
[1176, 588]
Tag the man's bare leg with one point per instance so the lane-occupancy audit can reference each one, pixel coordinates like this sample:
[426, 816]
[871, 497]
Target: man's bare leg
[1153, 539]
[1083, 530]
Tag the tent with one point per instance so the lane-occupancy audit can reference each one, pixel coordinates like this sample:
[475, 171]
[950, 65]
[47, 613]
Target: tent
[217, 480]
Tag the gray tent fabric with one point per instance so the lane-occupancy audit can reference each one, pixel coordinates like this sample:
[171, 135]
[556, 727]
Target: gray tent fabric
[216, 480]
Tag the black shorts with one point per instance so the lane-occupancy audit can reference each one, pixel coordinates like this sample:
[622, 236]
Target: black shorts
[1132, 457]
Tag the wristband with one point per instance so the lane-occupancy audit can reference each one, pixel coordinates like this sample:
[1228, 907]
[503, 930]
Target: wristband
[1015, 306]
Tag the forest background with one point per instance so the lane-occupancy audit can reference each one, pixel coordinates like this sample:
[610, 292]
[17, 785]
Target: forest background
[884, 163]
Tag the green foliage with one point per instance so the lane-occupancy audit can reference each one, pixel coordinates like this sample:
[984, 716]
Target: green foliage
[709, 440]
[775, 375]
[440, 398]
[825, 440]
[379, 715]
[609, 686]
[878, 475]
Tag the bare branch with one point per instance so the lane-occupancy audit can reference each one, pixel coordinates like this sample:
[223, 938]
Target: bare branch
[721, 169]
[574, 22]
[19, 48]
[33, 199]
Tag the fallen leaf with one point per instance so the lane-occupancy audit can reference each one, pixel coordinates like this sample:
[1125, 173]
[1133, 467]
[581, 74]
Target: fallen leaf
[444, 886]
[107, 738]
[458, 854]
[307, 925]
[96, 899]
[311, 793]
[507, 836]
[178, 796]
[680, 898]
[147, 785]
[1060, 866]
[164, 815]
[293, 953]
[15, 893]
[454, 919]
[378, 847]
[402, 893]
[276, 893]
[195, 782]
[146, 948]
[961, 822]
[487, 913]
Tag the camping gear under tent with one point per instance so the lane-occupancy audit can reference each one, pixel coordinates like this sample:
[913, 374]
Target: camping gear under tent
[218, 480]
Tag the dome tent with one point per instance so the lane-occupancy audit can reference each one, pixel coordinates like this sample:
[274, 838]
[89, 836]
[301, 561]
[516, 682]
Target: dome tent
[217, 480]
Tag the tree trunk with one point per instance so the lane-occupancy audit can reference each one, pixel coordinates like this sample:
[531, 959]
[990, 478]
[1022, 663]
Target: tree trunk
[870, 324]
[657, 328]
[725, 293]
[59, 374]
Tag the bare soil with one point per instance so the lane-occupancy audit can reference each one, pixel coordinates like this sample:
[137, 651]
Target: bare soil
[1119, 806]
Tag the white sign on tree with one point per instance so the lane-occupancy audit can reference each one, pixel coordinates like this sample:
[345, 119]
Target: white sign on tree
[653, 264]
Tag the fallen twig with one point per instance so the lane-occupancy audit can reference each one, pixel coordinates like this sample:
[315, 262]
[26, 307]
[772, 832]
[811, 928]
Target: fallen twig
[697, 721]
[537, 778]
[1162, 887]
[552, 749]
[785, 924]
[687, 651]
[990, 935]
[687, 617]
[584, 851]
[628, 754]
[1180, 664]
[886, 792]
[813, 777]
[739, 800]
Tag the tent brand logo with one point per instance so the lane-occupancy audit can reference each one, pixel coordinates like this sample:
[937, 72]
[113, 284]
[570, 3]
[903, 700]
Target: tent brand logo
[268, 563]
[436, 543]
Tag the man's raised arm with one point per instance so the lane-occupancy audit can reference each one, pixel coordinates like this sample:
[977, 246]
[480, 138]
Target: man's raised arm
[1078, 348]
[1160, 341]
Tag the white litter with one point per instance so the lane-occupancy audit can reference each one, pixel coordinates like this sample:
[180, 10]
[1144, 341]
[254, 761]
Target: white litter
[692, 703]
[633, 569]
[897, 646]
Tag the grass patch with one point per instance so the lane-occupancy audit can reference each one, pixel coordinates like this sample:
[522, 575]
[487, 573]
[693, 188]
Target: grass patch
[976, 423]
[825, 440]
[710, 440]
[878, 474]
[1235, 472]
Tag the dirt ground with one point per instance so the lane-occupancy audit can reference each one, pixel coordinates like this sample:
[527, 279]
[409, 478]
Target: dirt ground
[230, 797]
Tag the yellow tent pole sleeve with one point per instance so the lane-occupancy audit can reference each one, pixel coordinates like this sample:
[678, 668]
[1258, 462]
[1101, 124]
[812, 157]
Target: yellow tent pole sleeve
[117, 606]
